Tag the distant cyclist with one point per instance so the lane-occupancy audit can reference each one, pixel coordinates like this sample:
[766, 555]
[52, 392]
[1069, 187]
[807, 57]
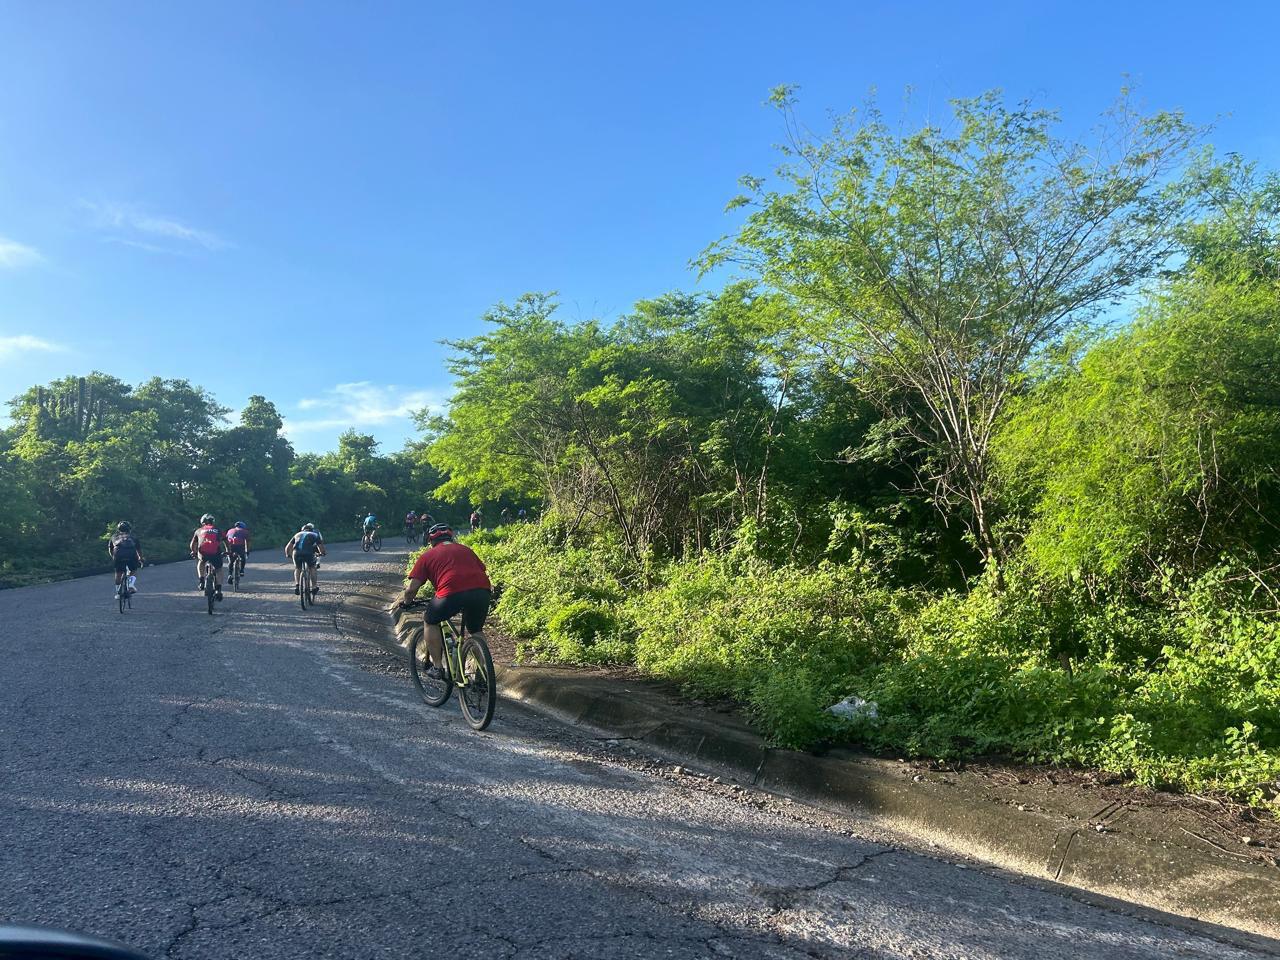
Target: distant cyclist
[461, 586]
[126, 551]
[239, 539]
[476, 520]
[410, 522]
[208, 546]
[304, 547]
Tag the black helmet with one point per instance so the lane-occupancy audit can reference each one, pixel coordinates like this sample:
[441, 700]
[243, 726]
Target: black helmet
[441, 531]
[207, 518]
[123, 527]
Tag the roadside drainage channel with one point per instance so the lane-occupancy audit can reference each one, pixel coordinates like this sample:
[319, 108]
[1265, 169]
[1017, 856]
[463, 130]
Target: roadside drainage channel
[1090, 846]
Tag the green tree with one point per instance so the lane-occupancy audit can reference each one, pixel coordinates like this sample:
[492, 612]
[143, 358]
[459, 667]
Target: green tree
[933, 266]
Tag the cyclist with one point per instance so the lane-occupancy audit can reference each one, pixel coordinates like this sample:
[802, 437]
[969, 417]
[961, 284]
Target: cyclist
[208, 546]
[410, 522]
[505, 516]
[476, 520]
[239, 539]
[303, 548]
[461, 585]
[370, 524]
[126, 551]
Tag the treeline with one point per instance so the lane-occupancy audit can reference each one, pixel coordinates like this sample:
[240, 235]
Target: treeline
[83, 453]
[988, 435]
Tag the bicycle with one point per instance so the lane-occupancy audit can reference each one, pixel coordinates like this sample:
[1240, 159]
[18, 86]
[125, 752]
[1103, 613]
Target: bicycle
[372, 540]
[207, 583]
[124, 596]
[410, 535]
[307, 585]
[235, 570]
[468, 665]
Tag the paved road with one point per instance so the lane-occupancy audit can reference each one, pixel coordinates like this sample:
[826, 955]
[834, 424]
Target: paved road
[255, 785]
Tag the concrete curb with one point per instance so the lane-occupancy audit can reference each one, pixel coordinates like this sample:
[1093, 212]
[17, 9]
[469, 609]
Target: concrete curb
[1109, 850]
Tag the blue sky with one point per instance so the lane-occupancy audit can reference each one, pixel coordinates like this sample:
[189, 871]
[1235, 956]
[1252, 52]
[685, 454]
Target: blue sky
[300, 200]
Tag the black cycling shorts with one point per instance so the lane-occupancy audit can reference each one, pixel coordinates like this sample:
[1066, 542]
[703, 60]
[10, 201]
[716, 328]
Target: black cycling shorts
[299, 558]
[472, 604]
[127, 563]
[214, 561]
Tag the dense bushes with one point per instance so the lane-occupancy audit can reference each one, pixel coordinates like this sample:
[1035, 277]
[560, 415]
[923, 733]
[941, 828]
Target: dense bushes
[1183, 693]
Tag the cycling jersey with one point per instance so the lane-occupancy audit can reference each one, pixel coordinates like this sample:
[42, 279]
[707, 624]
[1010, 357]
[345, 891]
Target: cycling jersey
[124, 546]
[306, 542]
[451, 568]
[370, 522]
[237, 538]
[208, 540]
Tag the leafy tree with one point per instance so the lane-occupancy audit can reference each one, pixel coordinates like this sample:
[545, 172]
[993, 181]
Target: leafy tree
[933, 266]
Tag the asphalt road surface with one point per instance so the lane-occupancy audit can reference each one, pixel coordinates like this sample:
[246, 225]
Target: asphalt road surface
[256, 785]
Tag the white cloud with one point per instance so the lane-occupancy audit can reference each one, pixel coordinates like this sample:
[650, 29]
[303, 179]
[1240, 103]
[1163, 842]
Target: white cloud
[127, 223]
[14, 254]
[25, 343]
[361, 404]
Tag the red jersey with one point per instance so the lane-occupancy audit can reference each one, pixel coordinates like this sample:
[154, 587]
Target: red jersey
[451, 568]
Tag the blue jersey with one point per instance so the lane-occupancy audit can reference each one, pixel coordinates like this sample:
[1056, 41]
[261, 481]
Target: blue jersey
[370, 522]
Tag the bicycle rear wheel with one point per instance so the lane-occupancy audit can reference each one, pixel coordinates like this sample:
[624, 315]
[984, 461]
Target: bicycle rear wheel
[434, 691]
[122, 593]
[365, 543]
[304, 586]
[478, 692]
[377, 541]
[209, 589]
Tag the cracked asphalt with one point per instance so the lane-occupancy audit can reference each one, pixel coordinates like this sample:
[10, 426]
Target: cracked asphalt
[259, 784]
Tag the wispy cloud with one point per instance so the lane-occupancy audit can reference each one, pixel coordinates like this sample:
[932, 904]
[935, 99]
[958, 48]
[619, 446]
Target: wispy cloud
[131, 225]
[25, 343]
[361, 404]
[14, 254]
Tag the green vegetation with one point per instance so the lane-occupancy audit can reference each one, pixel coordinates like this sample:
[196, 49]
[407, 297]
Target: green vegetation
[85, 453]
[989, 440]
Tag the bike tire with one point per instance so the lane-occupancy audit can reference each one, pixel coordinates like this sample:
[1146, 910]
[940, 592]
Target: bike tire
[122, 595]
[434, 693]
[304, 588]
[364, 544]
[209, 591]
[377, 541]
[479, 697]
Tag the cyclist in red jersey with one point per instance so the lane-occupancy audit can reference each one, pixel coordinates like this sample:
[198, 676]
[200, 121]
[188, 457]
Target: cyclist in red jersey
[208, 546]
[461, 584]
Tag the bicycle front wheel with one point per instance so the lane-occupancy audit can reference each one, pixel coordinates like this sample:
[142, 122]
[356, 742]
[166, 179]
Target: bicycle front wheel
[478, 690]
[434, 691]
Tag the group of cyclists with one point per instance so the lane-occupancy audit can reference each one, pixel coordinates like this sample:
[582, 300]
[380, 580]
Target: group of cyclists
[453, 569]
[213, 548]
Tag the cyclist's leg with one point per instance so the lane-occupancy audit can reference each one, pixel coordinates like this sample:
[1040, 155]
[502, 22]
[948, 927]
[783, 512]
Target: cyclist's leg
[475, 609]
[438, 610]
[297, 572]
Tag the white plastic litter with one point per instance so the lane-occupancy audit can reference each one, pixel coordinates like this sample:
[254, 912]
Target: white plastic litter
[854, 708]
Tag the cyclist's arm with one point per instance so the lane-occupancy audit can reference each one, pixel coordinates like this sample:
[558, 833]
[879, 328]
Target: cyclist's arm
[288, 547]
[191, 547]
[410, 591]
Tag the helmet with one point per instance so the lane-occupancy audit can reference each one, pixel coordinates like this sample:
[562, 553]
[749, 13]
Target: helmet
[308, 526]
[240, 524]
[123, 527]
[441, 531]
[207, 518]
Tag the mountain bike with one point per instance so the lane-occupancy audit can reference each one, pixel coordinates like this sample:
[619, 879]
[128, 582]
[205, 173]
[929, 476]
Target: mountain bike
[235, 570]
[468, 665]
[307, 586]
[372, 541]
[207, 583]
[124, 596]
[410, 535]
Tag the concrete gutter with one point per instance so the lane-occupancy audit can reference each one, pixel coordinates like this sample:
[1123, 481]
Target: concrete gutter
[1135, 854]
